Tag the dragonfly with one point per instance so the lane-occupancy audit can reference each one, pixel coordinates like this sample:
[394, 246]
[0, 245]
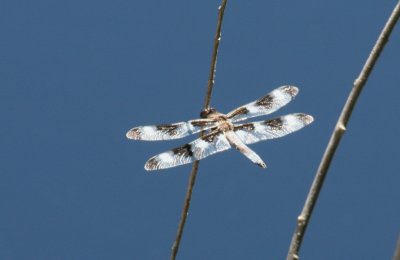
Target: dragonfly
[221, 131]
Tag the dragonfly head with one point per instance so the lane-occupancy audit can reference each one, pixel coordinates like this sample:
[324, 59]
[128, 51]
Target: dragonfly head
[206, 112]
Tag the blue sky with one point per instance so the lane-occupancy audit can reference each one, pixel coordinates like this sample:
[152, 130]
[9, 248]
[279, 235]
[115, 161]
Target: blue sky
[76, 75]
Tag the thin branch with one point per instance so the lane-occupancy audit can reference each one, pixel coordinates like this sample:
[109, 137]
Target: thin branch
[340, 128]
[192, 179]
[193, 174]
[213, 66]
[396, 255]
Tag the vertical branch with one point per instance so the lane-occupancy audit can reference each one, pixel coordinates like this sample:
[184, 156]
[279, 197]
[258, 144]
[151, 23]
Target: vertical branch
[193, 174]
[340, 128]
[213, 66]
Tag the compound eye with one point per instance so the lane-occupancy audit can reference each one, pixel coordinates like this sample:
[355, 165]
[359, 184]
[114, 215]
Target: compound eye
[206, 112]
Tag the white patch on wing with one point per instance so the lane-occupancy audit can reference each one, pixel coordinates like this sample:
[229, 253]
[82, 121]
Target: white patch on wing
[166, 157]
[149, 131]
[199, 148]
[252, 109]
[293, 123]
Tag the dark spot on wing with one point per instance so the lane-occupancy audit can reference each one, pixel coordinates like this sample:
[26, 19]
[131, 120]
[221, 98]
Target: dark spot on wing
[266, 101]
[168, 129]
[185, 150]
[291, 90]
[209, 138]
[305, 118]
[152, 163]
[199, 123]
[134, 133]
[275, 124]
[239, 111]
[246, 127]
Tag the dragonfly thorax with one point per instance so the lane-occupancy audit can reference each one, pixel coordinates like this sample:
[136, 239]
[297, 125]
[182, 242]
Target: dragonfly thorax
[225, 125]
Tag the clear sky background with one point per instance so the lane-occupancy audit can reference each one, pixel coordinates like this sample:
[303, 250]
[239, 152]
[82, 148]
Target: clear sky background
[76, 75]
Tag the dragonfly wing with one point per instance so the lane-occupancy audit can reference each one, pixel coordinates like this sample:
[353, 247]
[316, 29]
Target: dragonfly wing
[269, 129]
[169, 131]
[200, 148]
[265, 105]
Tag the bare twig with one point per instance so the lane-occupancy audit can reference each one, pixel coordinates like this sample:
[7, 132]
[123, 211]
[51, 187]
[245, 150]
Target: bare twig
[340, 128]
[213, 66]
[193, 174]
[396, 255]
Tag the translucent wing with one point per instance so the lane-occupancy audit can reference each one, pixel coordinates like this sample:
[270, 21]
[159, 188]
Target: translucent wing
[269, 129]
[200, 148]
[265, 105]
[169, 131]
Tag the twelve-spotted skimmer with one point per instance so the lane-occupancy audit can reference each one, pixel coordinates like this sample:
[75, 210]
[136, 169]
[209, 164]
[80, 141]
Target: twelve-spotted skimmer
[222, 133]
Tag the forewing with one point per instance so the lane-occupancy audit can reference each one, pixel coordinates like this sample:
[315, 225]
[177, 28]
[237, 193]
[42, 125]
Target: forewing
[198, 149]
[269, 129]
[169, 131]
[265, 105]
